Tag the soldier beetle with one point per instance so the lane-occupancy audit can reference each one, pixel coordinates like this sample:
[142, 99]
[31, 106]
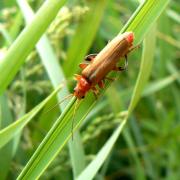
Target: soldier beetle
[96, 67]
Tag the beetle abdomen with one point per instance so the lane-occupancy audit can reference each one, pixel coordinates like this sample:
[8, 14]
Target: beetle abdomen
[107, 59]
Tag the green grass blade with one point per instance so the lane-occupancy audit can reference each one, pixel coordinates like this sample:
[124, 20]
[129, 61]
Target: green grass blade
[25, 42]
[77, 154]
[46, 53]
[61, 131]
[56, 76]
[94, 166]
[10, 131]
[6, 36]
[116, 107]
[7, 151]
[148, 164]
[15, 29]
[155, 86]
[145, 69]
[160, 84]
[48, 149]
[174, 15]
[84, 36]
[140, 174]
[144, 17]
[173, 70]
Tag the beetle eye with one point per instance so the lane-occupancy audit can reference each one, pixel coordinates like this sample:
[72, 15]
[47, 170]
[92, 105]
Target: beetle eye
[83, 97]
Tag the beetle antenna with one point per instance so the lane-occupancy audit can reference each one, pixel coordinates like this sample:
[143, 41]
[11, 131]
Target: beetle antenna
[73, 117]
[65, 98]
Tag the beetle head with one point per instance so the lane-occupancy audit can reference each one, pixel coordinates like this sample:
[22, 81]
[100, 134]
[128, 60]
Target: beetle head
[82, 87]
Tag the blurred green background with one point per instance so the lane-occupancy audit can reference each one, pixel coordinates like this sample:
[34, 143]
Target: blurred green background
[150, 142]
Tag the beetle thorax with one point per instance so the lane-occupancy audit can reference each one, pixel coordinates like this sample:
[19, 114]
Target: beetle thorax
[81, 88]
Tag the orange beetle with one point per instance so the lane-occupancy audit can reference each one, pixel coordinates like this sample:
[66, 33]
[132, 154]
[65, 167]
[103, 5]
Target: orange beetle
[96, 67]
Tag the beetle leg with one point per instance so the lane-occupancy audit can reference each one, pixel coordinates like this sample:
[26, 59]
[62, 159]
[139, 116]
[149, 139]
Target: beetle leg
[119, 68]
[90, 57]
[101, 84]
[126, 62]
[83, 65]
[95, 91]
[134, 47]
[122, 68]
[110, 79]
[77, 77]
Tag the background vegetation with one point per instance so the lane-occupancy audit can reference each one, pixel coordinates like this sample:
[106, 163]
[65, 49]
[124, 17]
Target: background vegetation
[148, 147]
